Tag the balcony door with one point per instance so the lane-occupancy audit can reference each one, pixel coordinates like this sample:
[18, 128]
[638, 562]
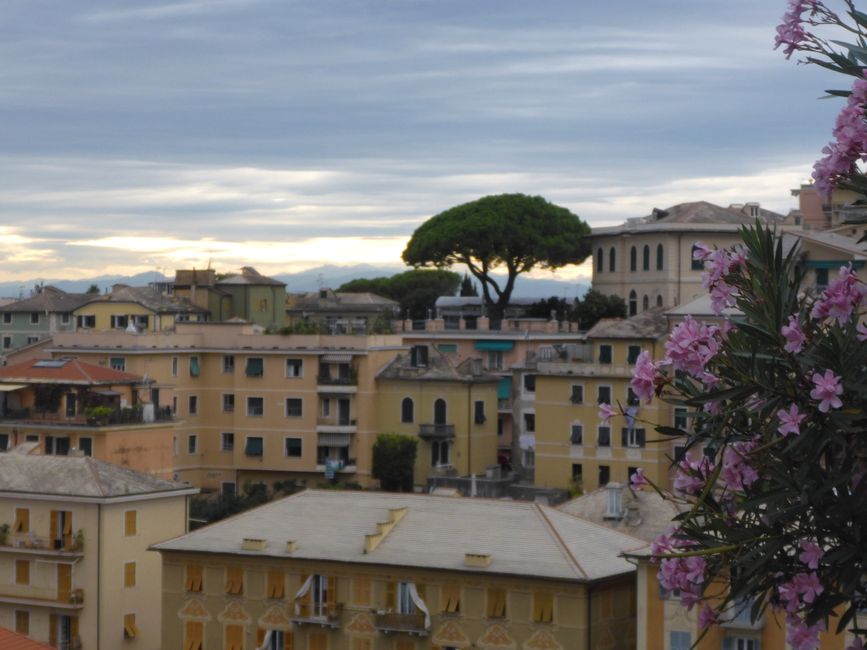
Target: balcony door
[440, 412]
[343, 412]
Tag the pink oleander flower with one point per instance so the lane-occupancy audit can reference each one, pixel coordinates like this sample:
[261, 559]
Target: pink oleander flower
[716, 267]
[850, 131]
[691, 476]
[795, 337]
[790, 421]
[637, 480]
[691, 345]
[843, 295]
[737, 473]
[700, 252]
[707, 616]
[861, 329]
[643, 377]
[802, 636]
[789, 597]
[791, 32]
[811, 553]
[808, 586]
[828, 390]
[722, 296]
[605, 412]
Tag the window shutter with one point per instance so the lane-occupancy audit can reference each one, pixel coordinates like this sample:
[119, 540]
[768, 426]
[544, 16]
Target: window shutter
[260, 637]
[331, 593]
[129, 574]
[52, 630]
[129, 523]
[67, 524]
[390, 599]
[361, 591]
[53, 529]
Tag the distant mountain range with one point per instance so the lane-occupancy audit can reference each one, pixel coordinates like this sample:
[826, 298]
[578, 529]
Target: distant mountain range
[330, 276]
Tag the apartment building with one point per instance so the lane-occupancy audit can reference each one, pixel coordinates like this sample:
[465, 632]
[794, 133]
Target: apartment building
[28, 321]
[450, 405]
[571, 443]
[341, 312]
[137, 309]
[61, 405]
[74, 534]
[330, 570]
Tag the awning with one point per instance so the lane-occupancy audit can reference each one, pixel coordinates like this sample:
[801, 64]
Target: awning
[334, 439]
[336, 358]
[495, 345]
[254, 446]
[504, 388]
[8, 388]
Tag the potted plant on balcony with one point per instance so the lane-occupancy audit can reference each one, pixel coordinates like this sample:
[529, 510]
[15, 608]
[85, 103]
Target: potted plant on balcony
[98, 415]
[77, 541]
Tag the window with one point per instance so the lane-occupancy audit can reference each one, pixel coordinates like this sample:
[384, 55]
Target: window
[317, 641]
[234, 637]
[119, 321]
[645, 258]
[192, 443]
[228, 363]
[631, 397]
[34, 318]
[604, 475]
[612, 266]
[22, 622]
[740, 643]
[633, 259]
[86, 321]
[406, 410]
[193, 404]
[293, 447]
[234, 580]
[603, 436]
[680, 418]
[632, 354]
[174, 445]
[22, 521]
[255, 367]
[645, 303]
[680, 641]
[660, 257]
[194, 631]
[632, 437]
[577, 396]
[659, 301]
[7, 318]
[227, 441]
[174, 366]
[255, 406]
[117, 363]
[195, 370]
[448, 348]
[821, 278]
[440, 411]
[450, 599]
[496, 603]
[130, 629]
[228, 402]
[254, 446]
[543, 607]
[605, 353]
[600, 260]
[577, 474]
[294, 367]
[529, 383]
[679, 453]
[7, 342]
[633, 303]
[193, 580]
[697, 265]
[439, 453]
[577, 435]
[275, 584]
[130, 523]
[32, 339]
[141, 321]
[405, 604]
[129, 574]
[22, 572]
[495, 359]
[361, 591]
[293, 407]
[529, 423]
[4, 441]
[479, 412]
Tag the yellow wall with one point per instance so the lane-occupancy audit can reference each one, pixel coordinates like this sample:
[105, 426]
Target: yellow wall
[104, 310]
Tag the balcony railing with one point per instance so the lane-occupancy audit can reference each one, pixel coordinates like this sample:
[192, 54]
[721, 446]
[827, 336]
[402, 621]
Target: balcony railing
[318, 614]
[102, 416]
[328, 380]
[29, 542]
[397, 622]
[336, 421]
[436, 431]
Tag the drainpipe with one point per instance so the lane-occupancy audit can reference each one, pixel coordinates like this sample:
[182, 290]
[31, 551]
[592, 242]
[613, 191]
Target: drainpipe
[589, 645]
[470, 428]
[98, 572]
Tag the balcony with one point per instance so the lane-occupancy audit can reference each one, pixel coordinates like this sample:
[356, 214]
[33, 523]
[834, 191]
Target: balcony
[73, 600]
[340, 385]
[436, 431]
[395, 622]
[29, 544]
[336, 425]
[323, 615]
[504, 405]
[99, 416]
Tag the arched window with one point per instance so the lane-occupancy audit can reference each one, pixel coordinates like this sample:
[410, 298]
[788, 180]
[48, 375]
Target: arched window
[406, 410]
[633, 303]
[659, 301]
[633, 259]
[600, 262]
[645, 258]
[645, 303]
[660, 255]
[612, 260]
[440, 411]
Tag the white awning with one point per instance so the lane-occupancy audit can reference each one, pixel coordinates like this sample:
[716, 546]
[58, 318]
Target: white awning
[336, 358]
[334, 439]
[527, 441]
[8, 388]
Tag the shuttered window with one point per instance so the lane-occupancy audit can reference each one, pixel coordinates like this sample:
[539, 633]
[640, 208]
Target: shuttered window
[496, 603]
[22, 622]
[274, 585]
[361, 591]
[129, 523]
[450, 599]
[194, 578]
[130, 629]
[193, 633]
[22, 572]
[22, 521]
[129, 574]
[317, 641]
[543, 607]
[234, 580]
[234, 637]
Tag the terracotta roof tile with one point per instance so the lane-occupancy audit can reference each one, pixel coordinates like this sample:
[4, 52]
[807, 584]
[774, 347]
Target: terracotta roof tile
[10, 640]
[70, 371]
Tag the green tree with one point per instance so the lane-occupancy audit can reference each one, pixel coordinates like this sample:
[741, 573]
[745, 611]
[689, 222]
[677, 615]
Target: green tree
[468, 287]
[416, 290]
[596, 305]
[514, 231]
[394, 460]
[92, 290]
[544, 307]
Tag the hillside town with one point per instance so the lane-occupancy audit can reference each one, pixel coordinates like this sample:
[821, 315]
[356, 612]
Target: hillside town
[126, 414]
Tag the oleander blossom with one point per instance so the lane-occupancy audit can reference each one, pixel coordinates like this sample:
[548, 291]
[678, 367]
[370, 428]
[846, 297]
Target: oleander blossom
[691, 345]
[850, 145]
[811, 553]
[791, 32]
[790, 421]
[843, 296]
[794, 335]
[827, 390]
[737, 472]
[638, 480]
[691, 476]
[801, 636]
[644, 377]
[605, 412]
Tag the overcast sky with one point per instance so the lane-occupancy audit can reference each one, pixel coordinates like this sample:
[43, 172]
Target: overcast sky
[292, 133]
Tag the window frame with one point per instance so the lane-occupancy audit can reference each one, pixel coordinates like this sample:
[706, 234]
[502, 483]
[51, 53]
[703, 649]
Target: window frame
[290, 453]
[192, 444]
[297, 364]
[250, 410]
[297, 410]
[227, 441]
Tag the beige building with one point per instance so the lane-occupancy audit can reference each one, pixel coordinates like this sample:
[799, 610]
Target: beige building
[327, 570]
[137, 309]
[648, 261]
[342, 312]
[74, 534]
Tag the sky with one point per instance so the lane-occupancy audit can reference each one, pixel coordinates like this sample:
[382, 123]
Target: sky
[287, 134]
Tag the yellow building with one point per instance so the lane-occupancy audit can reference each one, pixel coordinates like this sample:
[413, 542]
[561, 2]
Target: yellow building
[327, 570]
[137, 309]
[74, 534]
[571, 443]
[450, 405]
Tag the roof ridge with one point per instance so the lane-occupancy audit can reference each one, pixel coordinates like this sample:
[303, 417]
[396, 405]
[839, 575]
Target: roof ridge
[83, 370]
[88, 462]
[559, 539]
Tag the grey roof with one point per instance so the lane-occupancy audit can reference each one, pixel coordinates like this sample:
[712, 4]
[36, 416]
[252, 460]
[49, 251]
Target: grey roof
[73, 476]
[702, 306]
[647, 515]
[476, 301]
[365, 301]
[151, 298]
[840, 243]
[522, 538]
[49, 299]
[439, 367]
[250, 276]
[650, 324]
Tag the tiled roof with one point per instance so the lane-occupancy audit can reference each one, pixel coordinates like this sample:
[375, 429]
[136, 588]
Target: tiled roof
[251, 276]
[50, 299]
[439, 367]
[693, 216]
[77, 477]
[365, 301]
[524, 539]
[10, 640]
[66, 371]
[151, 298]
[650, 324]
